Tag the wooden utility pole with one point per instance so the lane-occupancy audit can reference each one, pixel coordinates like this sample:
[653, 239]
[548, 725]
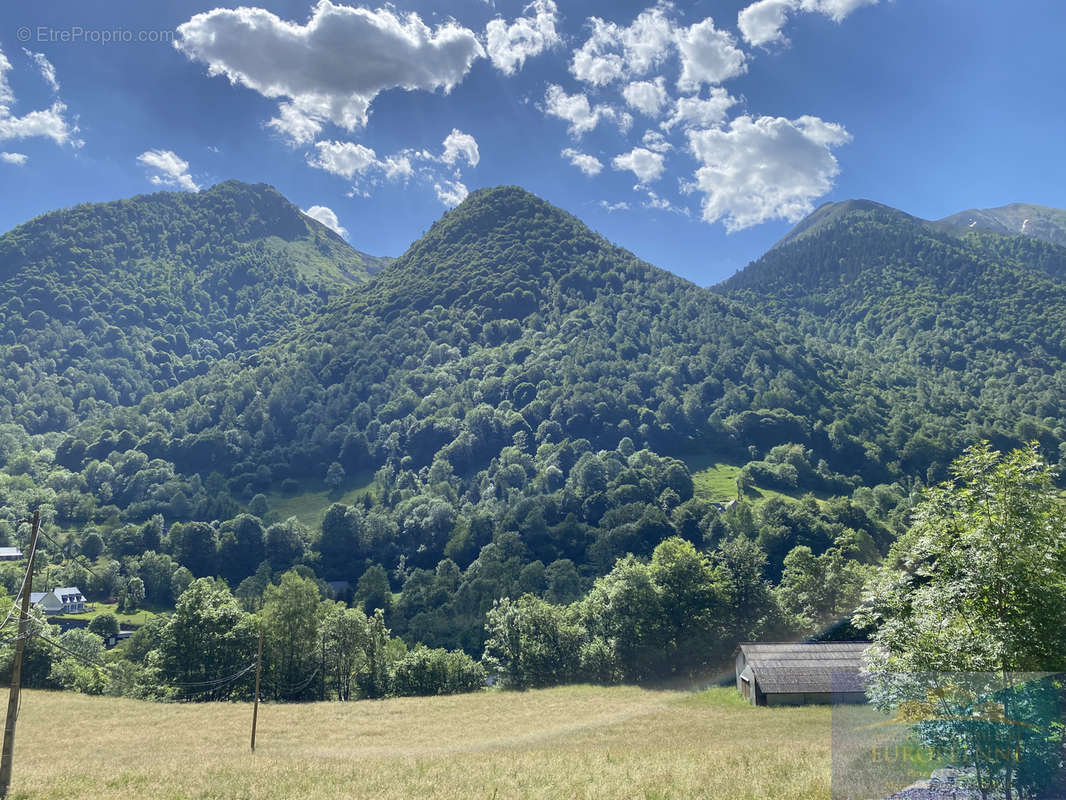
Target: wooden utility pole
[16, 667]
[258, 674]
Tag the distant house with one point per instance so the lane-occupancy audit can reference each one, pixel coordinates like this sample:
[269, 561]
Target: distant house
[774, 674]
[65, 600]
[10, 554]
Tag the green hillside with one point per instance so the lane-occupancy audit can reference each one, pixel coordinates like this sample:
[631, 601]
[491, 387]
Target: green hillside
[102, 304]
[948, 337]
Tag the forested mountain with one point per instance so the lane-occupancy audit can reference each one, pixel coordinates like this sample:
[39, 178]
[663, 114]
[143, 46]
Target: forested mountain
[1040, 222]
[510, 407]
[958, 335]
[102, 304]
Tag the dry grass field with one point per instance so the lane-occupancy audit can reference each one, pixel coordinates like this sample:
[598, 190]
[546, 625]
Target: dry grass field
[573, 742]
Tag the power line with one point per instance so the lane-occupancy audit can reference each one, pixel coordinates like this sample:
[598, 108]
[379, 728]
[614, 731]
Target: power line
[212, 683]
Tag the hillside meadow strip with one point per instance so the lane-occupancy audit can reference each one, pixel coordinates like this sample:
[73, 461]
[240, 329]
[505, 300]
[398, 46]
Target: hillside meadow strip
[573, 742]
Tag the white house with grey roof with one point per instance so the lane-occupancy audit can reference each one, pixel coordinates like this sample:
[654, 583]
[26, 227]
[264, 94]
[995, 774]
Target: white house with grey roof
[782, 673]
[63, 600]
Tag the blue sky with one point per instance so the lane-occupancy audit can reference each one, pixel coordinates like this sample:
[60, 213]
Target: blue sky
[693, 133]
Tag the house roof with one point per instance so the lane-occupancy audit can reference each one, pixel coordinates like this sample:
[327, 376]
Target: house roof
[807, 667]
[10, 551]
[36, 597]
[66, 590]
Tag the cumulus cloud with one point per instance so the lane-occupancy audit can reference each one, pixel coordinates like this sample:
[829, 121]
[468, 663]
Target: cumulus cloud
[654, 140]
[708, 55]
[332, 68]
[614, 52]
[647, 97]
[450, 193]
[766, 168]
[588, 164]
[576, 109]
[610, 208]
[694, 112]
[458, 144]
[352, 161]
[327, 217]
[509, 46]
[48, 72]
[48, 123]
[168, 169]
[763, 22]
[18, 159]
[646, 164]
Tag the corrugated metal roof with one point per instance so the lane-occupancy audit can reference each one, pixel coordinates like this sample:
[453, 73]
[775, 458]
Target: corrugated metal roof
[806, 667]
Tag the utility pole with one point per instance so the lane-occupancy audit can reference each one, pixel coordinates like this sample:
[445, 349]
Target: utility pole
[16, 667]
[258, 674]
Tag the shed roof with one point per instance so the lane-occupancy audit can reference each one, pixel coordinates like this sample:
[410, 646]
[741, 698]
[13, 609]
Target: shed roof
[10, 551]
[806, 667]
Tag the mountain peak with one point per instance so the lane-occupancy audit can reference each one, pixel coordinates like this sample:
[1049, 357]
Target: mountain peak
[1014, 219]
[831, 213]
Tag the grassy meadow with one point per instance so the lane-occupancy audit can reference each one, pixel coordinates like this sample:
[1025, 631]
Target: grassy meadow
[310, 503]
[571, 742]
[713, 479]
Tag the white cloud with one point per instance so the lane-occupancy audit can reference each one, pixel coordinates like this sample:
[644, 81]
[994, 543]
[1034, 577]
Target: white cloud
[836, 10]
[660, 203]
[332, 68]
[18, 159]
[766, 168]
[576, 109]
[509, 46]
[708, 55]
[48, 72]
[694, 112]
[458, 144]
[645, 164]
[327, 217]
[168, 169]
[654, 140]
[397, 166]
[49, 123]
[613, 52]
[610, 208]
[7, 97]
[353, 161]
[450, 193]
[346, 159]
[763, 22]
[647, 97]
[588, 164]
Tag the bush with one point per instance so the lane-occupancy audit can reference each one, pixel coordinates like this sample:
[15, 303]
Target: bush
[429, 672]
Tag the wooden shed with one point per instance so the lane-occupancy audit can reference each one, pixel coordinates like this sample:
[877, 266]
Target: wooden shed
[781, 673]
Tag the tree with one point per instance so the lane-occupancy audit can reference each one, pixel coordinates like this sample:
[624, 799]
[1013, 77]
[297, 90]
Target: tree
[133, 594]
[346, 633]
[335, 476]
[92, 546]
[75, 669]
[104, 625]
[207, 645]
[290, 620]
[976, 585]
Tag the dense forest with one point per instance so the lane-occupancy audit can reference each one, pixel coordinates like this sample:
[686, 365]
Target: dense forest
[511, 414]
